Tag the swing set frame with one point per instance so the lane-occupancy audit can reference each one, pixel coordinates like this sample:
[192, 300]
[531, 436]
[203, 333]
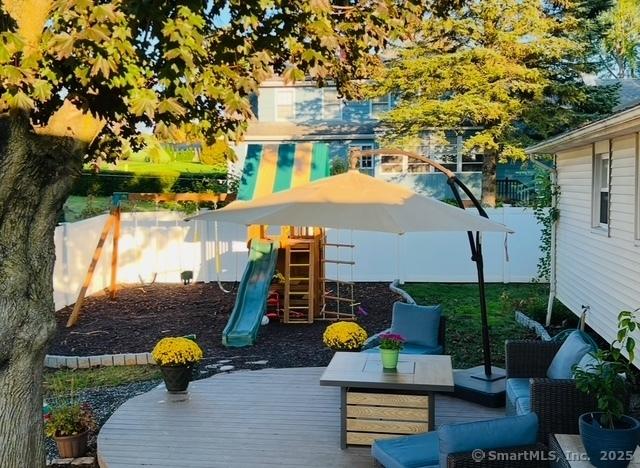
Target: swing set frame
[113, 226]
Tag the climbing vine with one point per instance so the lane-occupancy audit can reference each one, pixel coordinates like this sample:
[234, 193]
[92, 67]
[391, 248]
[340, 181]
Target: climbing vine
[546, 215]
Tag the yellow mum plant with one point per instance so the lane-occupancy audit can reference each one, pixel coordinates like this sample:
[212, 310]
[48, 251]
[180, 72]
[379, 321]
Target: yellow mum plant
[344, 336]
[176, 352]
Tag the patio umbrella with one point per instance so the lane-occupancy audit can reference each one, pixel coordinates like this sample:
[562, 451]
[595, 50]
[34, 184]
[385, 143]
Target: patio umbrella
[353, 200]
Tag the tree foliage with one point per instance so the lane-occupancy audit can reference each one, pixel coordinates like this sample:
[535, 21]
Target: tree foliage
[140, 63]
[80, 78]
[511, 67]
[619, 43]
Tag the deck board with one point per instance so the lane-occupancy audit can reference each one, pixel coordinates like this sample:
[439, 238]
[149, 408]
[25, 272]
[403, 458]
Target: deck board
[270, 417]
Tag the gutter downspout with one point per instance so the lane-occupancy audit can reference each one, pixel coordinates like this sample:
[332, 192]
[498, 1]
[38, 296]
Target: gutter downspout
[553, 173]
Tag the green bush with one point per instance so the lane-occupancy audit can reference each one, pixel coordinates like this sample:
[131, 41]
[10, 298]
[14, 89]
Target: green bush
[106, 182]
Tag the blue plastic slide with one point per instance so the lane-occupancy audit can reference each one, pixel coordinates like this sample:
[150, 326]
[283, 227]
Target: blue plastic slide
[251, 301]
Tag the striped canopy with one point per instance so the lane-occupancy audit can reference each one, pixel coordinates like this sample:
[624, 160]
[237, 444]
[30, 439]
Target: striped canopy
[276, 167]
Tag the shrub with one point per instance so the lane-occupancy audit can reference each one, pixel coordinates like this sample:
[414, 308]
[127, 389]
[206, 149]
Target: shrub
[344, 336]
[217, 154]
[107, 182]
[176, 352]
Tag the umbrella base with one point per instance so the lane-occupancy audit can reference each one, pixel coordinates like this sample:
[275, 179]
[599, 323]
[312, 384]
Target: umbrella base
[473, 385]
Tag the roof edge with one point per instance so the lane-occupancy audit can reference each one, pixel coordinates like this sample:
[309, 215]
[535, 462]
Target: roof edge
[575, 137]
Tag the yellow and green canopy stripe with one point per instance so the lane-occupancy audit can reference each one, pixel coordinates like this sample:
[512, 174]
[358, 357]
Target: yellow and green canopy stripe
[278, 167]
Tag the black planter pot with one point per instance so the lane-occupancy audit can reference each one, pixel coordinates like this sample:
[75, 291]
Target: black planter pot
[176, 378]
[609, 448]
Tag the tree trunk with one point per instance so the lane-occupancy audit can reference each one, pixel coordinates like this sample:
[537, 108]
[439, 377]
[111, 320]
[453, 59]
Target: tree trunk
[36, 173]
[489, 166]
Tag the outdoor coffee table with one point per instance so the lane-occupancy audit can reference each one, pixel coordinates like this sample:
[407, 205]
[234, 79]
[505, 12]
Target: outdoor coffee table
[378, 404]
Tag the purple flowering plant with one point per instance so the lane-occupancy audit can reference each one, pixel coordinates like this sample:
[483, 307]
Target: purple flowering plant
[391, 341]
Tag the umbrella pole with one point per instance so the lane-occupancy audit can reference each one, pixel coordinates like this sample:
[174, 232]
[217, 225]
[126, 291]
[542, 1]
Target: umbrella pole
[486, 348]
[476, 255]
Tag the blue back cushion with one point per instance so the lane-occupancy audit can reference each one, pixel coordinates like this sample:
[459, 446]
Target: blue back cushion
[416, 324]
[570, 353]
[512, 431]
[587, 363]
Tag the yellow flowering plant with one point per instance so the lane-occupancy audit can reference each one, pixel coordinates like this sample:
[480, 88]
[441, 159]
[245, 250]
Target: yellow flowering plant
[344, 336]
[176, 352]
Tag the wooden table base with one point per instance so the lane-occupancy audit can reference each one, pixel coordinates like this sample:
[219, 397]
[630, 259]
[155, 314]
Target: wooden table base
[368, 415]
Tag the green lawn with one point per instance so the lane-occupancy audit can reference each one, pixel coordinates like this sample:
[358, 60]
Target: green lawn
[77, 208]
[460, 305]
[59, 382]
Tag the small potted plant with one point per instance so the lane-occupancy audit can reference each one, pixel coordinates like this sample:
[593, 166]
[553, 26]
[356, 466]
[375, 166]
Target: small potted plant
[609, 436]
[344, 336]
[390, 346]
[68, 424]
[176, 357]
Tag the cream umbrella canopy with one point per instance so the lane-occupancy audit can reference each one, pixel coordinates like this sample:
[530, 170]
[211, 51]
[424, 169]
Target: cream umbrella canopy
[353, 200]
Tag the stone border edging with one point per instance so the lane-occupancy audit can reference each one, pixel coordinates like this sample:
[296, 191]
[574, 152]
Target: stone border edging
[103, 360]
[528, 322]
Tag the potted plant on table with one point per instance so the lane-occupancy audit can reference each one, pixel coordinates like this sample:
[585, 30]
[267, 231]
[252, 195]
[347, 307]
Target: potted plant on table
[609, 436]
[390, 346]
[176, 357]
[68, 424]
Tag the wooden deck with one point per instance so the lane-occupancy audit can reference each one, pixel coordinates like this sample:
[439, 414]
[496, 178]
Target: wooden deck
[271, 417]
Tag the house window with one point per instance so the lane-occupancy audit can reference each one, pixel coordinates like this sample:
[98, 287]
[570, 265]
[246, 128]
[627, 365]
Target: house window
[392, 164]
[366, 163]
[379, 106]
[331, 104]
[601, 186]
[447, 149]
[285, 104]
[472, 162]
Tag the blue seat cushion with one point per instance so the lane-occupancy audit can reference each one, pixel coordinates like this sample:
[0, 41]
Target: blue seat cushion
[416, 324]
[413, 451]
[518, 388]
[512, 431]
[410, 348]
[569, 355]
[523, 405]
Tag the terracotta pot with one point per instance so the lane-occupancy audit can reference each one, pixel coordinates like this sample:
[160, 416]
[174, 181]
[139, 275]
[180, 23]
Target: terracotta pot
[176, 378]
[72, 446]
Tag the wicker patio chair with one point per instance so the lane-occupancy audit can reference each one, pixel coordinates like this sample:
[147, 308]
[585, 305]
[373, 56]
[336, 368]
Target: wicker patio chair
[529, 456]
[557, 402]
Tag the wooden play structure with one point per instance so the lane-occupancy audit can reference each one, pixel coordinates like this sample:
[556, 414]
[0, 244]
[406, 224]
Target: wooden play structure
[305, 292]
[112, 226]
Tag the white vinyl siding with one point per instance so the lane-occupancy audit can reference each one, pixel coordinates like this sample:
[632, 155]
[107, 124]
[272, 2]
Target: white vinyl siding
[637, 207]
[593, 269]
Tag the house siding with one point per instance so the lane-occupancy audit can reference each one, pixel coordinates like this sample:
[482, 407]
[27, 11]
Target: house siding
[594, 268]
[355, 126]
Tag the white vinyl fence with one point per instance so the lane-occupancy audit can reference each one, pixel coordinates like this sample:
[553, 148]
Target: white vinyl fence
[160, 245]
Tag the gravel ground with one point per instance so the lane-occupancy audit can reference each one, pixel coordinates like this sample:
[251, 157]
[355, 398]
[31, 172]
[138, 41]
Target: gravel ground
[104, 401]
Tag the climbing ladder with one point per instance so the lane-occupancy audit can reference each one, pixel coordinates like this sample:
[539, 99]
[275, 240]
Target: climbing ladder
[338, 301]
[301, 252]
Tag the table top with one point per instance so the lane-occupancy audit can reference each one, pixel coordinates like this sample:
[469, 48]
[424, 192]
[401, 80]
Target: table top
[414, 372]
[574, 453]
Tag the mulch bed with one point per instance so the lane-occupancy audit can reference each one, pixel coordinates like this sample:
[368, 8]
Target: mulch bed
[140, 315]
